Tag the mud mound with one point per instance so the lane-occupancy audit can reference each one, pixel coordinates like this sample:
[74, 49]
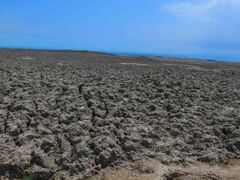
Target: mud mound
[72, 114]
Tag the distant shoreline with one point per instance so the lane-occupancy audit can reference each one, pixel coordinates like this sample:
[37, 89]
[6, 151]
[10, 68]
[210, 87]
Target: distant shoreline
[130, 54]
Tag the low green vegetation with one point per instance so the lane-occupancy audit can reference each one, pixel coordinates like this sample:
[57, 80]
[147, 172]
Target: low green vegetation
[30, 177]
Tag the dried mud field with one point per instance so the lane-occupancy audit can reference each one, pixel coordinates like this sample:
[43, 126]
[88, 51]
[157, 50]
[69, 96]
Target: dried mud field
[88, 115]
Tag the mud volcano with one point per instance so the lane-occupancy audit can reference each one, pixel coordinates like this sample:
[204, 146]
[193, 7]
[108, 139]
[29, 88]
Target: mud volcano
[79, 115]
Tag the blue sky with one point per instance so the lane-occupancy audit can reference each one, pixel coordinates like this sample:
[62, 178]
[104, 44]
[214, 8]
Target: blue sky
[194, 28]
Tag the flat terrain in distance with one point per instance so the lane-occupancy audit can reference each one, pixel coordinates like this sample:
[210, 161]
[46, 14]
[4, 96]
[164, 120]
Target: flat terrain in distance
[80, 114]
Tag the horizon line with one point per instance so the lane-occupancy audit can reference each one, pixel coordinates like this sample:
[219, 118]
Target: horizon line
[160, 55]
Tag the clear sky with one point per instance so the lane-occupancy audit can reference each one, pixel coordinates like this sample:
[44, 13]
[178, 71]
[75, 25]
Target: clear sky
[195, 28]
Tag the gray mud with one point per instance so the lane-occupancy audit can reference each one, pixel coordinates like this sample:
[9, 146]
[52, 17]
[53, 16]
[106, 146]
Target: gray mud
[71, 114]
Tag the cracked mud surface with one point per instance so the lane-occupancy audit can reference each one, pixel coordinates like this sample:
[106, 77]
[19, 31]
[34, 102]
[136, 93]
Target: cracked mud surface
[71, 114]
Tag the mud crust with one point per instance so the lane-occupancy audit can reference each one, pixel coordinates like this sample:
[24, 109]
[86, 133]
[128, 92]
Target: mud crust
[72, 114]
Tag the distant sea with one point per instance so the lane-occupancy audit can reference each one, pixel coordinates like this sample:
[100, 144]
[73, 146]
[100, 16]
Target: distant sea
[196, 57]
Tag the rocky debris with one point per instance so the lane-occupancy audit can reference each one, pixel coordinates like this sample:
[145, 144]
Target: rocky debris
[209, 158]
[72, 120]
[130, 146]
[234, 146]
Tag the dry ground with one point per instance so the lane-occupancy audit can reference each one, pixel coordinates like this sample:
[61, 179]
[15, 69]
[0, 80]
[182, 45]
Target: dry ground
[75, 115]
